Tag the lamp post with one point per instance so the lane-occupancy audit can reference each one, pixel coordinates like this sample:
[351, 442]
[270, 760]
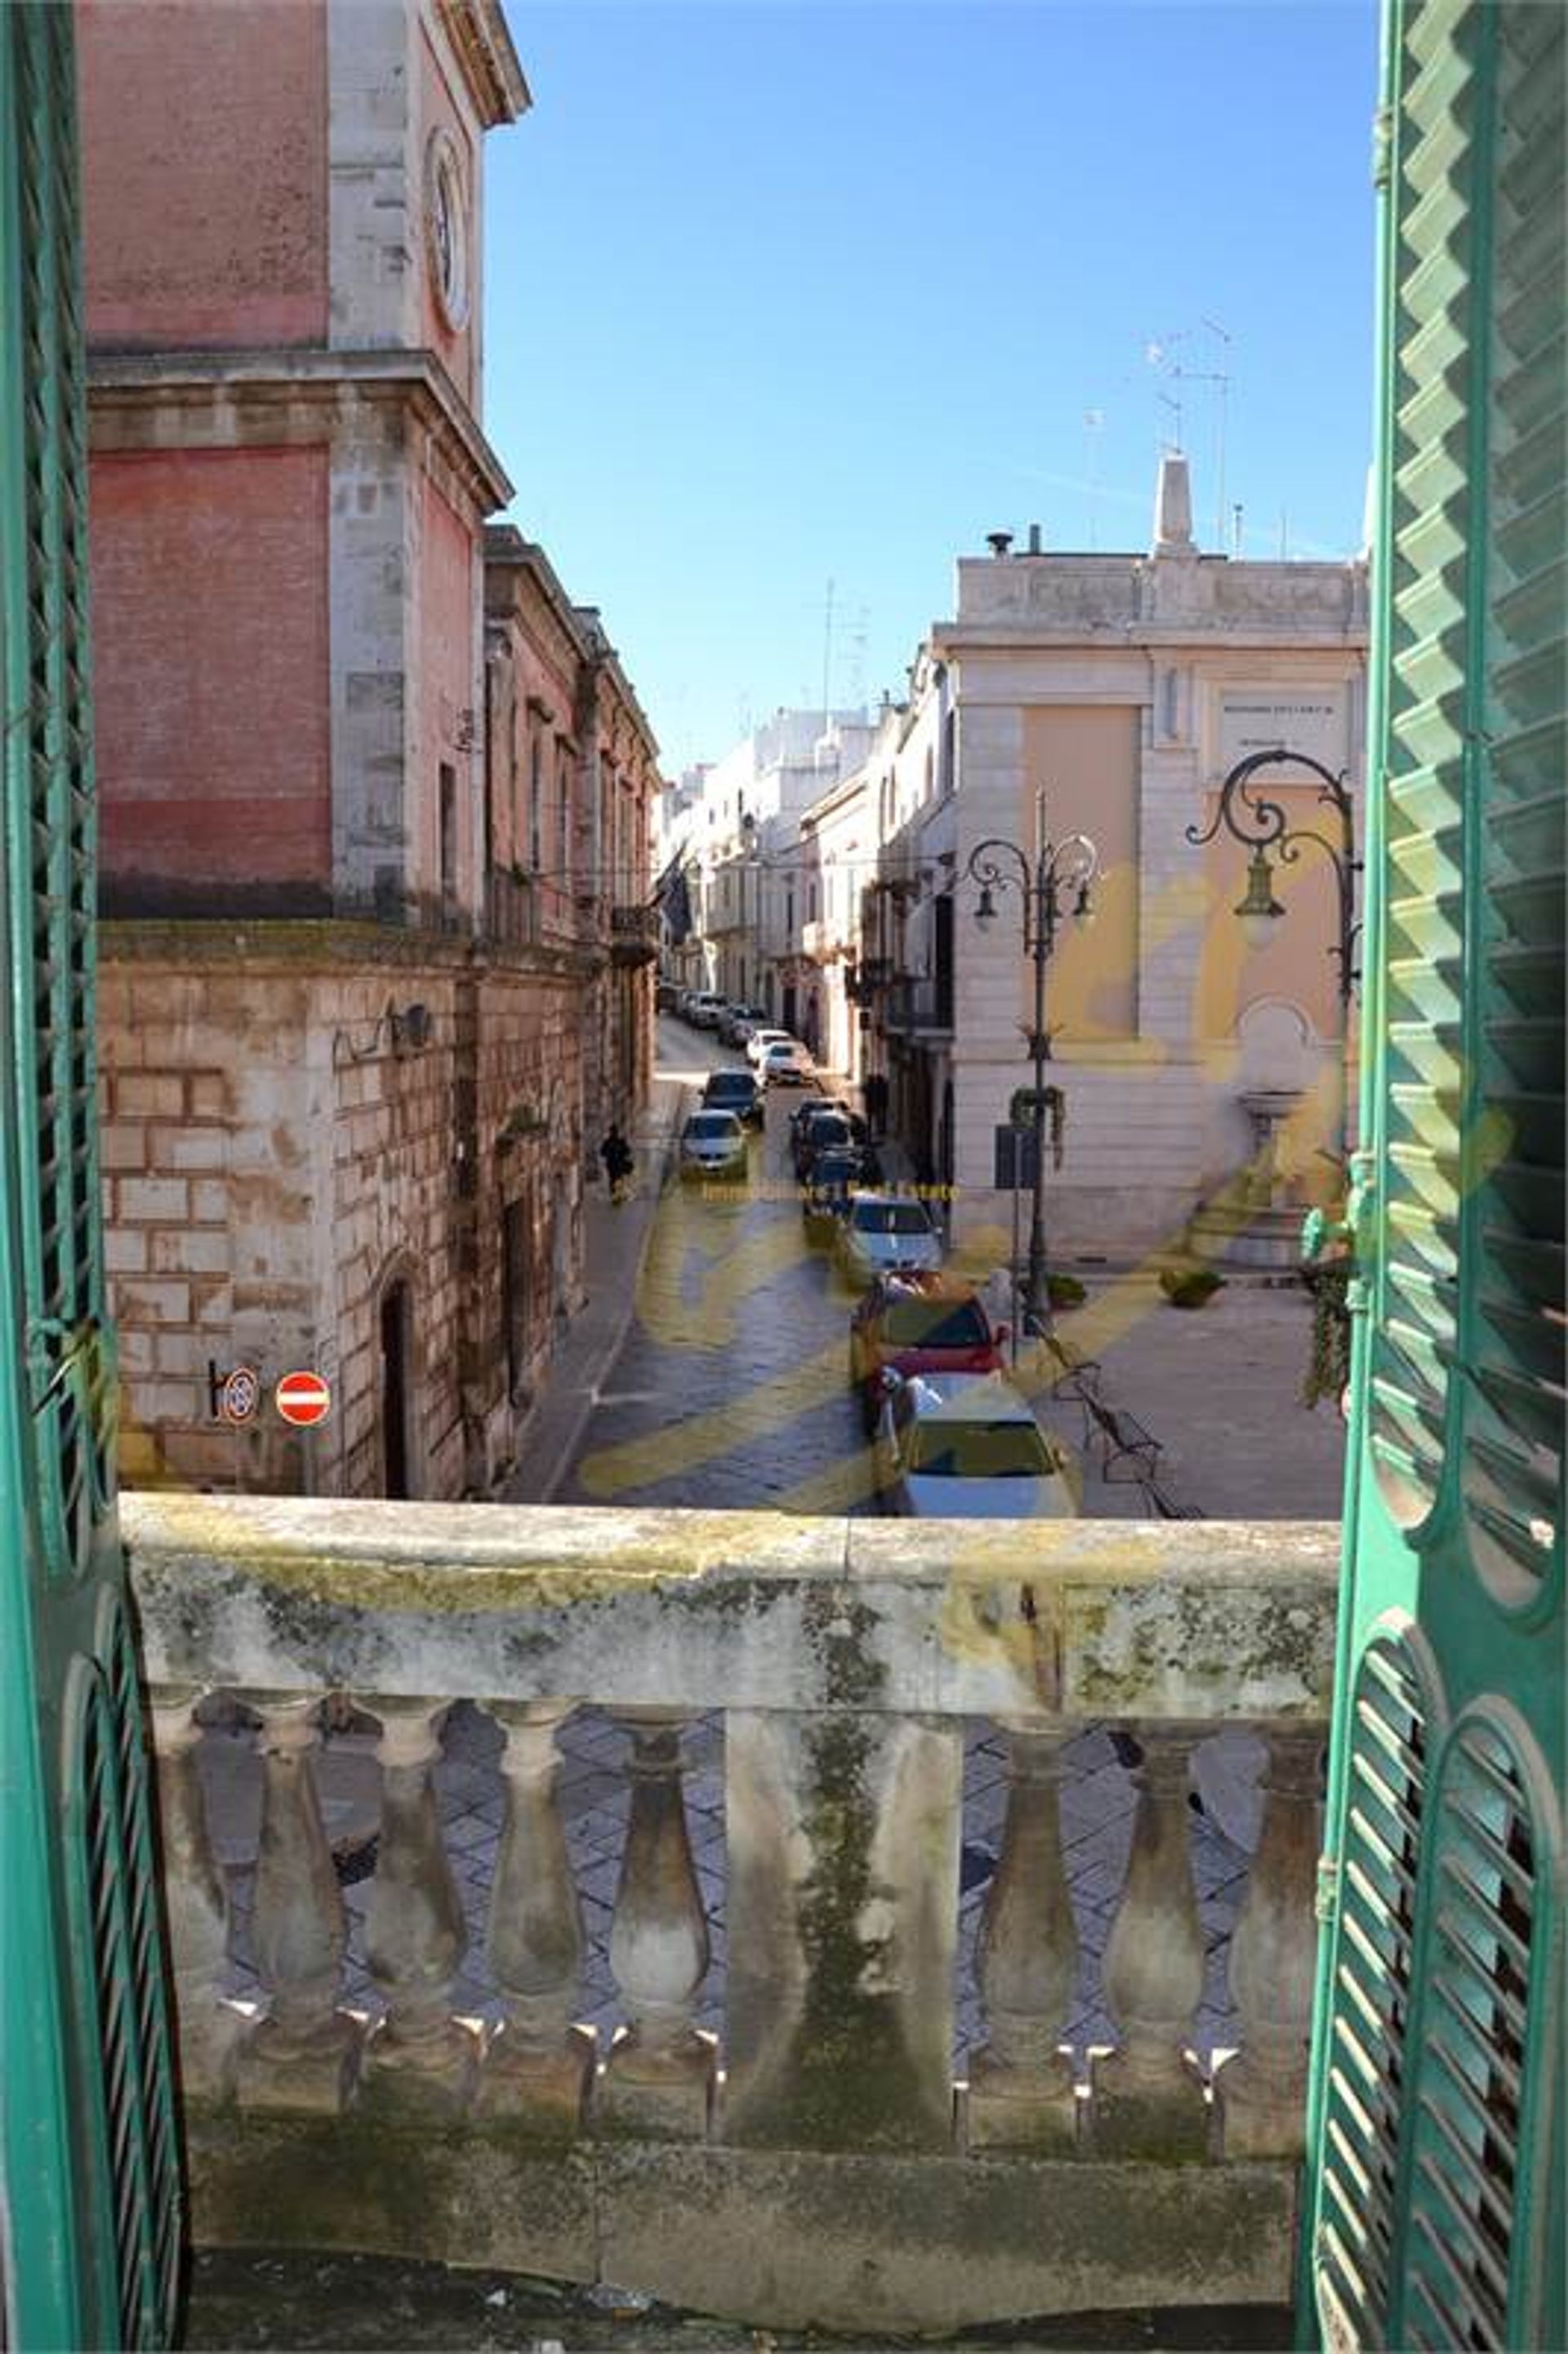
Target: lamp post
[1261, 825]
[1054, 882]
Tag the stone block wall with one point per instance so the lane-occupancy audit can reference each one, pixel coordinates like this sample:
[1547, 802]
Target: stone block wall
[278, 1149]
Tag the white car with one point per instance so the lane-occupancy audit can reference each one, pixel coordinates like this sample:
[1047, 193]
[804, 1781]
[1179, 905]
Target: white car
[712, 1144]
[785, 1062]
[886, 1231]
[760, 1040]
[704, 1009]
[966, 1447]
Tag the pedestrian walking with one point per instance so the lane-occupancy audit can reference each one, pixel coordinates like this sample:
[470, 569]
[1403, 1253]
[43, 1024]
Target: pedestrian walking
[617, 1156]
[874, 1093]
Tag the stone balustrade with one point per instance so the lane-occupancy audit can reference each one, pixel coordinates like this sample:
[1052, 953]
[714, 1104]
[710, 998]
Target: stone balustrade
[817, 2162]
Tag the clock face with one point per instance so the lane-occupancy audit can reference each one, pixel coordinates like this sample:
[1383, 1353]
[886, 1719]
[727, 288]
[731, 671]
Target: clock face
[446, 225]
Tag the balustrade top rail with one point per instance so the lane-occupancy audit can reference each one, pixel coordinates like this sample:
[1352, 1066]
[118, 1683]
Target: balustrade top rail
[1187, 1622]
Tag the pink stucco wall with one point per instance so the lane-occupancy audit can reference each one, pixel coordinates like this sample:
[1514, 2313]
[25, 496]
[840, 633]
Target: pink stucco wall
[209, 591]
[230, 249]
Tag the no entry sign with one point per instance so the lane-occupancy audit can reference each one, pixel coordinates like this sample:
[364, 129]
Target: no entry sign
[303, 1398]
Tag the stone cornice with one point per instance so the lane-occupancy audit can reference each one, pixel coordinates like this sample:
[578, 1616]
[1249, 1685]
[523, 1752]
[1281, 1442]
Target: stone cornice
[507, 552]
[1107, 637]
[122, 385]
[481, 44]
[330, 945]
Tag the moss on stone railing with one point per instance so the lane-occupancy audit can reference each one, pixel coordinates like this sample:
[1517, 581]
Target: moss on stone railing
[818, 2163]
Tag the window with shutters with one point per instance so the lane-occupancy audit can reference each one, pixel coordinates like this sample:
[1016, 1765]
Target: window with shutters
[86, 2132]
[1512, 1461]
[1432, 708]
[1476, 2113]
[1436, 2053]
[1390, 1732]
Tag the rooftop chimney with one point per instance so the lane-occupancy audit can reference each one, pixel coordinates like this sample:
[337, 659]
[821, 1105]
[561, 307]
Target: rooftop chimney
[1034, 539]
[999, 542]
[1173, 507]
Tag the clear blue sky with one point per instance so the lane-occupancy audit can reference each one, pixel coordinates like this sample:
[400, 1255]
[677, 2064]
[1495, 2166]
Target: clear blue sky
[784, 293]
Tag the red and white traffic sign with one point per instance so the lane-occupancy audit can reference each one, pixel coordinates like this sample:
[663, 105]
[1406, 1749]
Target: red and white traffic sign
[303, 1398]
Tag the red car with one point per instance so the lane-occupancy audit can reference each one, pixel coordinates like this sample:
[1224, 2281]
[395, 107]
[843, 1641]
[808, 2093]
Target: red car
[919, 1324]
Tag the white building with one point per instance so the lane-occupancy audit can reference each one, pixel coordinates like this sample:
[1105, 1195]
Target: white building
[754, 898]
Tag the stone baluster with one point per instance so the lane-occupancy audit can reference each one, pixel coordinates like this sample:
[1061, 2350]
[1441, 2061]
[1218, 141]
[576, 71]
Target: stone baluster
[659, 2077]
[1148, 2095]
[196, 1897]
[303, 2053]
[538, 2066]
[1021, 2085]
[842, 1833]
[419, 2057]
[1261, 2092]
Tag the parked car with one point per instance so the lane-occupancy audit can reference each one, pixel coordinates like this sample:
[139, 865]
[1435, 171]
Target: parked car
[746, 1029]
[760, 1040]
[735, 1091]
[831, 1129]
[883, 1232]
[825, 1193]
[826, 1129]
[704, 1009]
[712, 1144]
[784, 1062]
[665, 996]
[736, 1023]
[967, 1446]
[811, 1104]
[915, 1323]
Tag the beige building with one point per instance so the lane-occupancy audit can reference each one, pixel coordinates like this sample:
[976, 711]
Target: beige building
[1123, 688]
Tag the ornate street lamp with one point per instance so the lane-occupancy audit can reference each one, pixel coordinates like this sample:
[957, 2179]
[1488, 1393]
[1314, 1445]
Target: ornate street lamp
[1261, 825]
[1056, 882]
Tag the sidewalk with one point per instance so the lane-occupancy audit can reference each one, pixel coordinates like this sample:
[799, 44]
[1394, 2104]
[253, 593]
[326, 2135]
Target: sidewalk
[615, 1242]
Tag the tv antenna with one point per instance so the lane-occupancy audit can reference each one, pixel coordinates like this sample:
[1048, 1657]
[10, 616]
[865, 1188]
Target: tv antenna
[856, 637]
[1094, 427]
[1161, 352]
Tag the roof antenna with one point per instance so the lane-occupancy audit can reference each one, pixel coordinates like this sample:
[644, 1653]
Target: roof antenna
[1094, 426]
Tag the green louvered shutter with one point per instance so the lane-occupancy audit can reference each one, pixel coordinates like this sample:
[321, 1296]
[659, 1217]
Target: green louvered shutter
[1435, 2176]
[88, 2173]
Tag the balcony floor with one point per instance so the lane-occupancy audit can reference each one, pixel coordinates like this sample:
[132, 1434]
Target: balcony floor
[247, 2300]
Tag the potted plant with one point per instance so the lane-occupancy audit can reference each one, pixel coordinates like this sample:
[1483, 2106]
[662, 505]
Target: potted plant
[1190, 1287]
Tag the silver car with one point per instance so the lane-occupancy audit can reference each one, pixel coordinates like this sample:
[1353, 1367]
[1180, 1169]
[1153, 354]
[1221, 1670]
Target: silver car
[712, 1144]
[886, 1231]
[966, 1447]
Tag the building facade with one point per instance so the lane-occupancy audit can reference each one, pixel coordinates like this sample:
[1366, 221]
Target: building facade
[1123, 688]
[330, 1047]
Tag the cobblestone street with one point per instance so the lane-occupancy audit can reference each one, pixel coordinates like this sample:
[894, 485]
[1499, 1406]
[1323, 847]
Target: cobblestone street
[731, 1390]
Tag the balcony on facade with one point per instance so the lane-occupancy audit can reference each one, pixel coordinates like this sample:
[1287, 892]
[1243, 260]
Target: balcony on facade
[823, 942]
[916, 1007]
[707, 2010]
[635, 933]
